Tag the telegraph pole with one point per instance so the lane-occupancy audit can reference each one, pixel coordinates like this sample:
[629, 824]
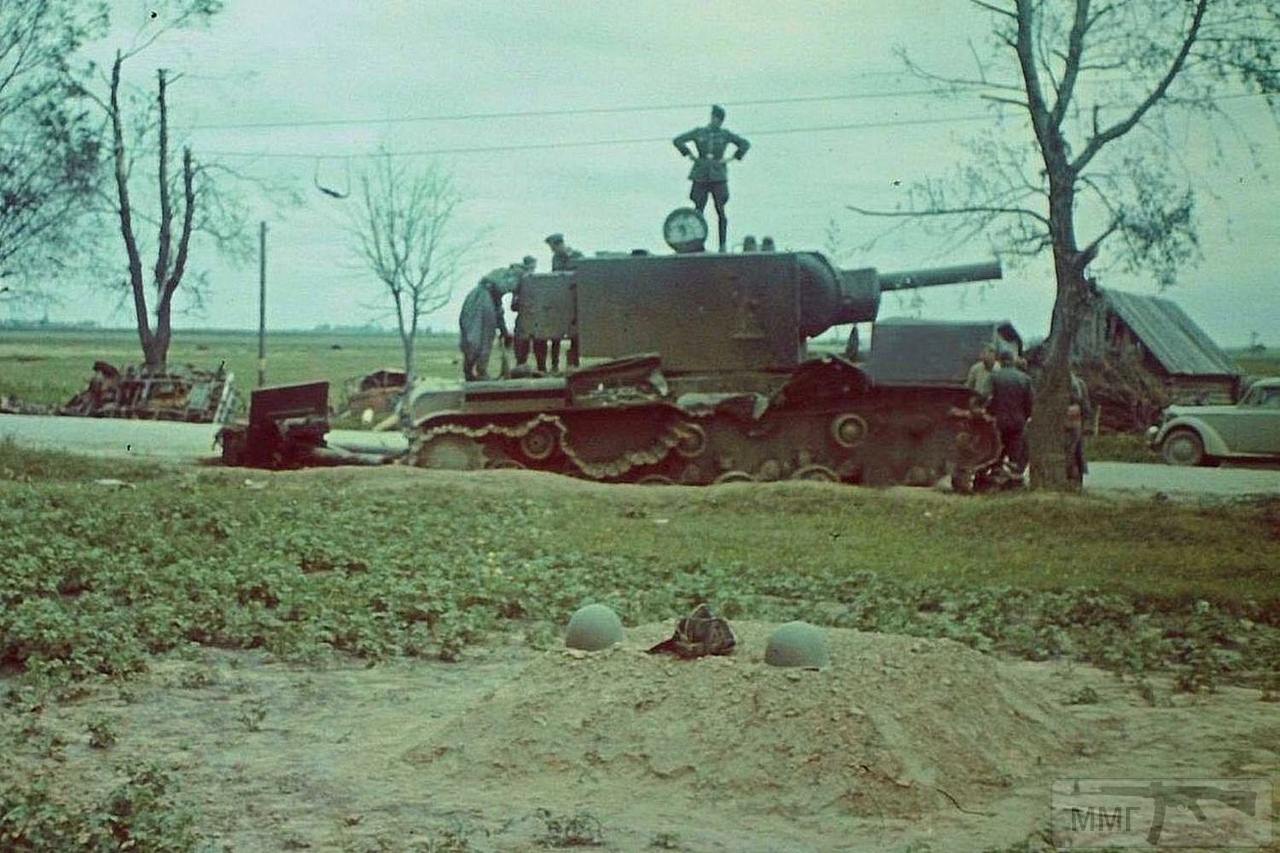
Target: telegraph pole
[262, 304]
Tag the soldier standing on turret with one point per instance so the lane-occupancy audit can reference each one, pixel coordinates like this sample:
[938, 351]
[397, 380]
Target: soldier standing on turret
[710, 173]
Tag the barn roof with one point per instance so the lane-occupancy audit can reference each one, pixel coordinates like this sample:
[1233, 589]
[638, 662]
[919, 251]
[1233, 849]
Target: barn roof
[1173, 338]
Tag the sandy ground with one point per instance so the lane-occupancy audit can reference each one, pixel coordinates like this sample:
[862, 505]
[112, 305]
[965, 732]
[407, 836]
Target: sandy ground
[901, 744]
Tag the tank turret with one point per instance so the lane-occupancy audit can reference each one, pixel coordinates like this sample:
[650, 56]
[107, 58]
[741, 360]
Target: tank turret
[714, 312]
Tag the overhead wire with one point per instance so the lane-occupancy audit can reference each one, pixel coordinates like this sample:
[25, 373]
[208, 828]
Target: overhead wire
[538, 146]
[535, 146]
[570, 111]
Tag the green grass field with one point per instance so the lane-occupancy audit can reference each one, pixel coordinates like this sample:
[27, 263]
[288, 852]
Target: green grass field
[402, 561]
[50, 367]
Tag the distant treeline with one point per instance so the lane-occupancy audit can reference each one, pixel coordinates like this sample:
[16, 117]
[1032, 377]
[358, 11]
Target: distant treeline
[47, 325]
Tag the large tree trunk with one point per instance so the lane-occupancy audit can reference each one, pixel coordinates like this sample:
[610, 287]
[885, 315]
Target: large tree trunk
[1046, 433]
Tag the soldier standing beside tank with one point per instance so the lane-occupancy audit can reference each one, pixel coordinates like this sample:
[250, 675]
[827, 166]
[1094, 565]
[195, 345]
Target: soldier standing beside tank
[1078, 411]
[562, 258]
[710, 173]
[523, 341]
[1011, 403]
[481, 317]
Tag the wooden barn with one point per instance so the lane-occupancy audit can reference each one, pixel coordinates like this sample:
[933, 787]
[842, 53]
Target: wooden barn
[1168, 343]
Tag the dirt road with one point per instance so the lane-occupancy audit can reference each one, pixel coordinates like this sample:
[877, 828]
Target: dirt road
[160, 440]
[181, 442]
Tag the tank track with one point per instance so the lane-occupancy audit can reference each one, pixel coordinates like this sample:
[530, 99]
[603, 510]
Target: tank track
[875, 443]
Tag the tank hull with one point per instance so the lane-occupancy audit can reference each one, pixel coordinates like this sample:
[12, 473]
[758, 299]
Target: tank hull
[627, 422]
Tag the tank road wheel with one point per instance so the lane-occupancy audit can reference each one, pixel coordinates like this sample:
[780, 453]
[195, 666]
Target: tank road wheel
[693, 440]
[733, 477]
[540, 442]
[450, 452]
[504, 463]
[816, 473]
[848, 430]
[693, 475]
[655, 480]
[769, 470]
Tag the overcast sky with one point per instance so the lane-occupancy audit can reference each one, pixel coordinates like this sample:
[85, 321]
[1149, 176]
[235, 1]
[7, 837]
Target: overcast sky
[372, 61]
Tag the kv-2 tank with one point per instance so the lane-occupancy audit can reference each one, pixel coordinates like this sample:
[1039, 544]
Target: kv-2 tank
[709, 379]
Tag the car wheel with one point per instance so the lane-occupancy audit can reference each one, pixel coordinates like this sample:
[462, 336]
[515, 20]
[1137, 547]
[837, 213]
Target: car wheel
[1183, 447]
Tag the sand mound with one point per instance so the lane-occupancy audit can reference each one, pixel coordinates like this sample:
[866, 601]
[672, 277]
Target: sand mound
[893, 727]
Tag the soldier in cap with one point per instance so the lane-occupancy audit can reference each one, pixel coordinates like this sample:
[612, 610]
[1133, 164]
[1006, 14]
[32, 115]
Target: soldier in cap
[710, 173]
[481, 317]
[562, 258]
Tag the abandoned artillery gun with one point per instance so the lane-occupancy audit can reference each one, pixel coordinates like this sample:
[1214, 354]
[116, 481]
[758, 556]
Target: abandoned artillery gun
[709, 380]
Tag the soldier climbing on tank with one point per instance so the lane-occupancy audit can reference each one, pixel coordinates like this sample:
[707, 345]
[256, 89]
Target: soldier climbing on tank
[710, 173]
[481, 317]
[562, 258]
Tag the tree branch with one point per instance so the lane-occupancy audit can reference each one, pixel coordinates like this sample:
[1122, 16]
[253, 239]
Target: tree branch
[1046, 132]
[188, 221]
[990, 8]
[1122, 127]
[125, 209]
[951, 211]
[165, 236]
[1075, 50]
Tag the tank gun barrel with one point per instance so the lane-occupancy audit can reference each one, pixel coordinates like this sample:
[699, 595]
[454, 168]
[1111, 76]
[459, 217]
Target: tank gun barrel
[860, 289]
[911, 279]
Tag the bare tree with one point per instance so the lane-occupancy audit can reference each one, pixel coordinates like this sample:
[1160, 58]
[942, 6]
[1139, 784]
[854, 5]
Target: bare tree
[186, 203]
[49, 142]
[401, 231]
[1097, 85]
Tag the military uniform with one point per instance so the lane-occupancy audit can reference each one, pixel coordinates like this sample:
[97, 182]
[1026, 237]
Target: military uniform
[978, 379]
[710, 175]
[1078, 411]
[481, 317]
[1012, 399]
[563, 258]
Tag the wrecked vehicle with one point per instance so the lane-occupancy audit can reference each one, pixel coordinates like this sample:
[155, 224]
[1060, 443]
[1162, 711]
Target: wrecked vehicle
[709, 380]
[286, 429]
[156, 393]
[375, 394]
